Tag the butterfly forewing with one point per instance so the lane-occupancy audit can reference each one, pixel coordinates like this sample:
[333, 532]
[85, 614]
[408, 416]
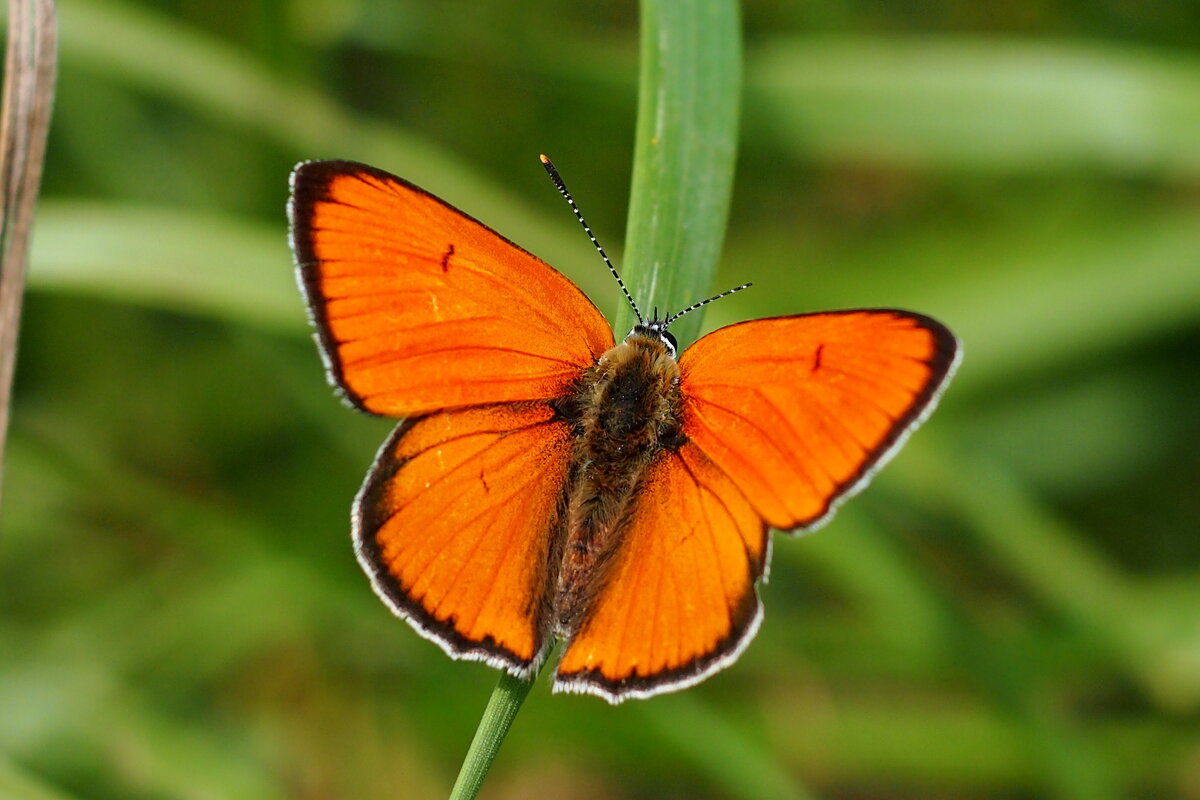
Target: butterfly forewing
[420, 307]
[798, 411]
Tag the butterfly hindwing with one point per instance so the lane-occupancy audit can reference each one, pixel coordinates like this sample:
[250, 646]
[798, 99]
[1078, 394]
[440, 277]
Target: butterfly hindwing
[419, 307]
[455, 526]
[679, 602]
[799, 411]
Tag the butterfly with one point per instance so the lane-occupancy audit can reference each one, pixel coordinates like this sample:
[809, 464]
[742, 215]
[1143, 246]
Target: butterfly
[547, 482]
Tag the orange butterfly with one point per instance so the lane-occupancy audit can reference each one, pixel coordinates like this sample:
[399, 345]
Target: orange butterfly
[548, 482]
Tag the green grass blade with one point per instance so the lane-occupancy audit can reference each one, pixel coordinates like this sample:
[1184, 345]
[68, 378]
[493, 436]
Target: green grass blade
[684, 154]
[961, 103]
[682, 178]
[18, 785]
[1021, 295]
[153, 53]
[502, 708]
[186, 261]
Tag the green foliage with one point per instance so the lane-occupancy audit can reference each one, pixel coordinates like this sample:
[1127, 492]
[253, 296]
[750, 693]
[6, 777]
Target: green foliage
[1009, 611]
[684, 149]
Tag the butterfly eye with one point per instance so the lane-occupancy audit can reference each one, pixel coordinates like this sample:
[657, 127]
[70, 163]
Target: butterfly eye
[655, 330]
[671, 343]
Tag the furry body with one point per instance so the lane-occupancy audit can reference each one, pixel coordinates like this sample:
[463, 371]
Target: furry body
[623, 412]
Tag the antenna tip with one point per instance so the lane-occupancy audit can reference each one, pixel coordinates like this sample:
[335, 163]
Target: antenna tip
[545, 159]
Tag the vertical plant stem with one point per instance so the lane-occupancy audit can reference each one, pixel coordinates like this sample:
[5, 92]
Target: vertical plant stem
[686, 145]
[502, 708]
[29, 69]
[684, 155]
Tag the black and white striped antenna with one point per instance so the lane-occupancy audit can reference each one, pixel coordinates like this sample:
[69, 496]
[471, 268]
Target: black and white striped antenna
[702, 303]
[562, 188]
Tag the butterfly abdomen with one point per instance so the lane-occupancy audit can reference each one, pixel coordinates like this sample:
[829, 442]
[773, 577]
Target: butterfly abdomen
[626, 409]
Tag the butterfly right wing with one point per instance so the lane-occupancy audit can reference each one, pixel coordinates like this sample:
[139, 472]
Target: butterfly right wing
[783, 418]
[455, 527]
[801, 411]
[679, 602]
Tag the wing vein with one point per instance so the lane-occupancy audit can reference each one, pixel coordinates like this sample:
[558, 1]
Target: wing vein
[467, 525]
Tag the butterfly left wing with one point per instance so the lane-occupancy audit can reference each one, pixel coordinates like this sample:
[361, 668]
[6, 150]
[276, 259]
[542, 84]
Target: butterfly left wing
[679, 602]
[455, 526]
[419, 307]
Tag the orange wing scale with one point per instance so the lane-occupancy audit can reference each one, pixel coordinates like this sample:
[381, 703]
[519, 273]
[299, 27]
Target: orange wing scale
[680, 602]
[420, 307]
[800, 410]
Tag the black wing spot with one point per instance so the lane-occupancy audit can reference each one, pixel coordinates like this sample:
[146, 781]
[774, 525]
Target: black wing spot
[817, 358]
[446, 258]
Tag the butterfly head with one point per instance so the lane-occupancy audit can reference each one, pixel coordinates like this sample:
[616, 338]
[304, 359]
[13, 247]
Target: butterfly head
[656, 329]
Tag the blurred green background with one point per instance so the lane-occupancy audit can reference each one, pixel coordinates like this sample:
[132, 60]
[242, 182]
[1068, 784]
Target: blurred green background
[1011, 611]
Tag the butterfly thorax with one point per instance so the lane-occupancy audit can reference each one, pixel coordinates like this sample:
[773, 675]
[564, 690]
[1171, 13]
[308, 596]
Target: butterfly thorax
[625, 410]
